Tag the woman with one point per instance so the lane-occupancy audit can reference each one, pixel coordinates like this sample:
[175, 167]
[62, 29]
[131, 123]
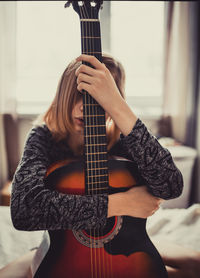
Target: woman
[34, 206]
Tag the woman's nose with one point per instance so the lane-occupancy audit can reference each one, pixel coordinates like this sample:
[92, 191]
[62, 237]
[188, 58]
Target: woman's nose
[81, 106]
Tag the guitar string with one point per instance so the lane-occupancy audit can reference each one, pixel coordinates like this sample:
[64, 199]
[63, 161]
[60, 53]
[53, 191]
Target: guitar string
[100, 149]
[104, 255]
[85, 130]
[101, 250]
[92, 130]
[89, 48]
[92, 252]
[92, 112]
[96, 113]
[92, 46]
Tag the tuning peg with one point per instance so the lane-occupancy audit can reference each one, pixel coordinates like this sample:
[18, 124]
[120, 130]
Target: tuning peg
[67, 4]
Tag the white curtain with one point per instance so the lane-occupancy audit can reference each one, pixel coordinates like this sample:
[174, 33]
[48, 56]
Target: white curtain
[7, 74]
[182, 78]
[177, 61]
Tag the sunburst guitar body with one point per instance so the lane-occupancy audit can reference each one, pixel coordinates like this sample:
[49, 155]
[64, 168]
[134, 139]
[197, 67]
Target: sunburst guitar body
[122, 249]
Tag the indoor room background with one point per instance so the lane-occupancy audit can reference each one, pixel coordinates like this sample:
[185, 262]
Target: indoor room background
[158, 43]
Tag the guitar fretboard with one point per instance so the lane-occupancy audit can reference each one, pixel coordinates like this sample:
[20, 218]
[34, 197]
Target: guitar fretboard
[95, 149]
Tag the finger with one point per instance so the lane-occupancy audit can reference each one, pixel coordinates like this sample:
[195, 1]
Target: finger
[84, 86]
[85, 69]
[84, 78]
[90, 59]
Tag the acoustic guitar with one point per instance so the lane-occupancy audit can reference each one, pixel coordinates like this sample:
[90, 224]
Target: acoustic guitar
[122, 249]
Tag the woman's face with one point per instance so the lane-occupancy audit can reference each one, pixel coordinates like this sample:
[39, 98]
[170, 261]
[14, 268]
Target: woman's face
[77, 117]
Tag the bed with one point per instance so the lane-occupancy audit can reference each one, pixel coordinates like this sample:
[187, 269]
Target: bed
[181, 226]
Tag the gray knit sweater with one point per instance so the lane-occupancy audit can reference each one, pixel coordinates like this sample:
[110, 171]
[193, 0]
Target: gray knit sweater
[34, 206]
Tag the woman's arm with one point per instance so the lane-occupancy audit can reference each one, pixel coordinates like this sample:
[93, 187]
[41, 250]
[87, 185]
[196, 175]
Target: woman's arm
[36, 207]
[155, 163]
[136, 202]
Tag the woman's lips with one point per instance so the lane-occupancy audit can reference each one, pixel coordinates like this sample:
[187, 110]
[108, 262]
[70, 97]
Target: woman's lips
[79, 121]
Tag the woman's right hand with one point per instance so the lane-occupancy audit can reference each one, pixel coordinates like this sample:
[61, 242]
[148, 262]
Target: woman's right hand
[136, 202]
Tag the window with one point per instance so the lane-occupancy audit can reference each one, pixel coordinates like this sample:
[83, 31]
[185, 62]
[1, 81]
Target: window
[48, 38]
[137, 36]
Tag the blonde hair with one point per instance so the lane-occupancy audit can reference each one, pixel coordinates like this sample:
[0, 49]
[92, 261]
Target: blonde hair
[58, 116]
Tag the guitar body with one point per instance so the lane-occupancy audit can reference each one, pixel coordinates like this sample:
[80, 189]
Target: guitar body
[121, 250]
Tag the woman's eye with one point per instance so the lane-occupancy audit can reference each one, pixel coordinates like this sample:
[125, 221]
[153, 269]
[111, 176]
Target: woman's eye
[79, 95]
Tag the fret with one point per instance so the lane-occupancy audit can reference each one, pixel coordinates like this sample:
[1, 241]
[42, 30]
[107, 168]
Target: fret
[97, 153]
[91, 104]
[95, 125]
[96, 135]
[103, 144]
[93, 157]
[94, 161]
[92, 151]
[93, 115]
[90, 37]
[93, 140]
[95, 176]
[98, 188]
[105, 181]
[95, 169]
[91, 52]
[93, 164]
[94, 128]
[94, 119]
[92, 131]
[97, 180]
[89, 20]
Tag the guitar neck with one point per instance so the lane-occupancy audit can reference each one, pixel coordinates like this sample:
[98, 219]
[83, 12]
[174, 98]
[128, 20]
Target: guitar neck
[95, 142]
[91, 38]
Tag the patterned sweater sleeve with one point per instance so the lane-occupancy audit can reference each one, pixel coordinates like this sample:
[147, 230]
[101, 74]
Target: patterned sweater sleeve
[155, 163]
[34, 206]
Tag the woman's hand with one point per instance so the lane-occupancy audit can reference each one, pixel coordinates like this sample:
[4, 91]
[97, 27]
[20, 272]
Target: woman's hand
[100, 84]
[97, 81]
[136, 202]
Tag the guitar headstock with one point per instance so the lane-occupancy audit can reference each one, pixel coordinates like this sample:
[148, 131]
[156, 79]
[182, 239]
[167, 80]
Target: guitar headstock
[86, 9]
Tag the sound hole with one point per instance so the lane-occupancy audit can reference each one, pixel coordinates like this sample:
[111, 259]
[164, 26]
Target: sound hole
[97, 238]
[111, 224]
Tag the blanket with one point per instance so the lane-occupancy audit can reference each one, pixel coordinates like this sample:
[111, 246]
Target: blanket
[181, 226]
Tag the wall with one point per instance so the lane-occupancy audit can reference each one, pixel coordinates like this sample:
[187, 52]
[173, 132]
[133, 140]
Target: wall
[7, 73]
